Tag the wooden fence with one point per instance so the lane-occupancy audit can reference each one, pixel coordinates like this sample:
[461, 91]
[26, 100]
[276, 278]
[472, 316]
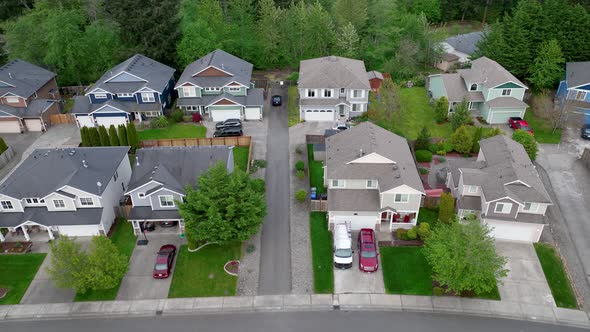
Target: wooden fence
[62, 119]
[231, 141]
[317, 205]
[586, 158]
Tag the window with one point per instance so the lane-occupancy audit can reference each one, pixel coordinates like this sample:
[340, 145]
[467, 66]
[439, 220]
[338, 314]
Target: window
[151, 114]
[12, 100]
[530, 207]
[310, 93]
[371, 184]
[357, 107]
[213, 89]
[124, 95]
[116, 176]
[234, 89]
[42, 201]
[148, 97]
[7, 205]
[580, 95]
[401, 198]
[503, 208]
[337, 183]
[141, 195]
[59, 203]
[33, 201]
[189, 92]
[166, 200]
[506, 92]
[86, 201]
[342, 90]
[100, 96]
[473, 87]
[471, 189]
[328, 93]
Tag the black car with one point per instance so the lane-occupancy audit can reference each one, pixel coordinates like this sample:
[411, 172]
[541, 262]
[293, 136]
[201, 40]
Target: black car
[586, 131]
[168, 223]
[229, 123]
[228, 132]
[277, 100]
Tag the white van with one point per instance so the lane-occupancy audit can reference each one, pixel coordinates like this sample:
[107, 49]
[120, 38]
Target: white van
[342, 247]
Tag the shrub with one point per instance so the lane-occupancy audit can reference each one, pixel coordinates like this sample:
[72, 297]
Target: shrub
[528, 142]
[299, 149]
[461, 116]
[400, 233]
[441, 110]
[300, 174]
[446, 209]
[301, 195]
[300, 165]
[418, 80]
[412, 234]
[258, 185]
[445, 145]
[177, 116]
[423, 230]
[491, 132]
[187, 118]
[250, 248]
[160, 122]
[438, 291]
[423, 170]
[442, 159]
[462, 140]
[294, 76]
[441, 153]
[196, 117]
[423, 140]
[433, 148]
[423, 156]
[476, 138]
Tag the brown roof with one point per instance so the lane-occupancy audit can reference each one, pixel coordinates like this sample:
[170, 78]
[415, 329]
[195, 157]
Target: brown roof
[488, 71]
[449, 57]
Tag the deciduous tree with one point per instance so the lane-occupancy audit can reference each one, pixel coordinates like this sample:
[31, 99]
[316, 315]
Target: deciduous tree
[460, 116]
[527, 141]
[68, 264]
[106, 265]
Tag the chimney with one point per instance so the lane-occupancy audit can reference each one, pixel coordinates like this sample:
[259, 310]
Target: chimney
[84, 163]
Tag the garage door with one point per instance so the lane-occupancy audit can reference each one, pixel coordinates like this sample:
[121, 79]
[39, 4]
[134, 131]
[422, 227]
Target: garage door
[507, 230]
[222, 115]
[33, 125]
[357, 222]
[85, 121]
[501, 115]
[319, 115]
[81, 230]
[111, 120]
[10, 126]
[253, 113]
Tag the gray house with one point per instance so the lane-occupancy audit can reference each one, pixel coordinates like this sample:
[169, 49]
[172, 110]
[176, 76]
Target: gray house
[218, 86]
[160, 176]
[503, 188]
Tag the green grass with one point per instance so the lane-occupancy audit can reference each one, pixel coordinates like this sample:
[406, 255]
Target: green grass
[177, 130]
[494, 294]
[68, 105]
[428, 215]
[124, 239]
[241, 157]
[457, 28]
[17, 273]
[556, 276]
[321, 252]
[201, 273]
[406, 271]
[316, 171]
[542, 128]
[293, 106]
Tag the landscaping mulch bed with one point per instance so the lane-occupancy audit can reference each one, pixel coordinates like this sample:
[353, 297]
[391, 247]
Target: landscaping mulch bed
[232, 267]
[424, 164]
[3, 292]
[15, 247]
[395, 242]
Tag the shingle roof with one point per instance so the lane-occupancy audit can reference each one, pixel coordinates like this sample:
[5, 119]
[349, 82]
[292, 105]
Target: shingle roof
[449, 57]
[374, 74]
[30, 178]
[82, 105]
[466, 43]
[577, 73]
[40, 215]
[333, 72]
[255, 97]
[364, 200]
[507, 102]
[146, 213]
[456, 90]
[241, 70]
[34, 109]
[24, 78]
[488, 71]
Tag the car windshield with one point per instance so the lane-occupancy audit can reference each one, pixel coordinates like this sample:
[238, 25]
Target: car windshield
[277, 98]
[343, 253]
[369, 254]
[160, 267]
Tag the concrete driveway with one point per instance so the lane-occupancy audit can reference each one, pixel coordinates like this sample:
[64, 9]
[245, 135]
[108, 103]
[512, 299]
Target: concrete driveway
[353, 280]
[138, 283]
[525, 282]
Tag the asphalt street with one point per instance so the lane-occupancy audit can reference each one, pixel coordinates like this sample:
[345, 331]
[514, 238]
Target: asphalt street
[336, 321]
[275, 251]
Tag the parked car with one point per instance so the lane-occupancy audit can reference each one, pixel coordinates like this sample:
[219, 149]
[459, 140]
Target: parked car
[168, 223]
[586, 131]
[229, 123]
[368, 261]
[164, 261]
[341, 126]
[277, 100]
[342, 247]
[518, 123]
[228, 132]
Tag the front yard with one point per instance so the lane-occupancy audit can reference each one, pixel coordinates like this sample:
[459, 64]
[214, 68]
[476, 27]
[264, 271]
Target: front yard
[17, 273]
[241, 157]
[321, 252]
[316, 171]
[201, 273]
[176, 130]
[406, 271]
[556, 276]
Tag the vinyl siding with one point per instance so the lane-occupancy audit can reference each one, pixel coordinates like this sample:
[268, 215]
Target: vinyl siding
[542, 209]
[16, 204]
[140, 101]
[154, 198]
[413, 203]
[436, 87]
[79, 193]
[491, 214]
[241, 92]
[93, 100]
[69, 203]
[517, 93]
[142, 201]
[465, 192]
[113, 193]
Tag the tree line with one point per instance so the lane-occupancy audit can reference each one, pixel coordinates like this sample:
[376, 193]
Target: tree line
[114, 136]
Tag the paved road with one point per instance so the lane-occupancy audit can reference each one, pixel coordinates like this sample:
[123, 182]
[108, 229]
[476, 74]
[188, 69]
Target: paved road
[275, 251]
[336, 321]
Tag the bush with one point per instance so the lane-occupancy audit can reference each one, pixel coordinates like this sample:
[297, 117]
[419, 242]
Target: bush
[196, 117]
[528, 142]
[476, 138]
[187, 118]
[438, 291]
[446, 146]
[423, 140]
[441, 153]
[423, 156]
[299, 149]
[293, 77]
[300, 165]
[412, 234]
[442, 159]
[441, 110]
[462, 140]
[446, 209]
[461, 116]
[419, 81]
[491, 132]
[160, 122]
[301, 195]
[423, 170]
[300, 174]
[177, 116]
[258, 185]
[400, 233]
[250, 248]
[433, 148]
[423, 230]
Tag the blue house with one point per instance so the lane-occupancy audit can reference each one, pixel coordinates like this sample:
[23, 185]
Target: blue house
[135, 90]
[573, 93]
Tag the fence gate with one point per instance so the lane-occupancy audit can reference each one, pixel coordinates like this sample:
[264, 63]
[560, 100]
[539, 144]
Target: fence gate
[62, 119]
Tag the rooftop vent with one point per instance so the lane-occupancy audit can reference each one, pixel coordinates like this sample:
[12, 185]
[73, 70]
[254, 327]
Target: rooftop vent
[136, 161]
[99, 185]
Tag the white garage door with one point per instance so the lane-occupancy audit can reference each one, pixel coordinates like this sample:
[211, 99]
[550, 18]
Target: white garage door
[11, 126]
[79, 230]
[111, 120]
[507, 230]
[85, 121]
[253, 113]
[222, 115]
[357, 222]
[319, 115]
[33, 124]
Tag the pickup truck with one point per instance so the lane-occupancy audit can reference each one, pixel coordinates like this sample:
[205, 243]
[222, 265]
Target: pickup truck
[518, 123]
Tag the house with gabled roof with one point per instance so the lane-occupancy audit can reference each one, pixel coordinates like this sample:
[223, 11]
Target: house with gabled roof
[573, 93]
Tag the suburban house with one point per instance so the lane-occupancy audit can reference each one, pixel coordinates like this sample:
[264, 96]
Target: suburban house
[447, 61]
[372, 179]
[71, 191]
[28, 96]
[135, 90]
[463, 45]
[160, 176]
[490, 91]
[218, 86]
[332, 88]
[574, 91]
[503, 188]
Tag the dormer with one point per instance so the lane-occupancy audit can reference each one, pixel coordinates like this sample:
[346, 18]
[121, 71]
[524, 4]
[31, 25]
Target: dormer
[213, 71]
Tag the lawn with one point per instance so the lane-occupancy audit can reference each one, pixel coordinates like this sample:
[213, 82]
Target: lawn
[556, 276]
[316, 171]
[542, 128]
[293, 106]
[201, 273]
[177, 130]
[17, 273]
[406, 271]
[124, 239]
[241, 157]
[428, 215]
[457, 27]
[321, 252]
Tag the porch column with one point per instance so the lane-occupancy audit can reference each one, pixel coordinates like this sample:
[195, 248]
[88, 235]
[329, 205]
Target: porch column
[2, 239]
[50, 233]
[25, 233]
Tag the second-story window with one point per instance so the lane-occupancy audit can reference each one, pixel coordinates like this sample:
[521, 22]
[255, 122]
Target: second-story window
[32, 200]
[234, 89]
[124, 95]
[7, 205]
[310, 93]
[328, 93]
[213, 89]
[100, 96]
[401, 198]
[503, 208]
[371, 184]
[342, 90]
[12, 100]
[189, 91]
[59, 204]
[337, 183]
[472, 189]
[506, 92]
[357, 93]
[148, 97]
[166, 201]
[86, 201]
[473, 87]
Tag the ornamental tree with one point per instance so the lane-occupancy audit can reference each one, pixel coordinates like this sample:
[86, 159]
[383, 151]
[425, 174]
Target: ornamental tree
[106, 266]
[462, 140]
[441, 109]
[68, 263]
[113, 137]
[446, 210]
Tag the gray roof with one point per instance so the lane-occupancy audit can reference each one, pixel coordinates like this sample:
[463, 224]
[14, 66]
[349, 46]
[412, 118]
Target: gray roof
[323, 101]
[510, 102]
[146, 213]
[449, 57]
[40, 215]
[34, 109]
[82, 105]
[47, 170]
[23, 78]
[488, 71]
[176, 167]
[466, 43]
[255, 97]
[353, 200]
[333, 72]
[152, 74]
[346, 145]
[577, 73]
[456, 90]
[470, 203]
[241, 70]
[374, 74]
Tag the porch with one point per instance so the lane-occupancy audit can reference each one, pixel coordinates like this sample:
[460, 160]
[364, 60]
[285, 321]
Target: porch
[28, 232]
[391, 220]
[154, 227]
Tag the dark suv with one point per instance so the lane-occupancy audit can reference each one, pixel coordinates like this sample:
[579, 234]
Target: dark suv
[228, 132]
[586, 131]
[229, 123]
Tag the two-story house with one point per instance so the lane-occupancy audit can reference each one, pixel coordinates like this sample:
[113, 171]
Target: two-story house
[332, 88]
[491, 91]
[372, 179]
[71, 191]
[573, 93]
[502, 187]
[137, 89]
[218, 86]
[28, 96]
[160, 176]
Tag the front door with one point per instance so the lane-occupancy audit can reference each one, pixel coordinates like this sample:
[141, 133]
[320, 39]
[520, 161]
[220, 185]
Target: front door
[341, 111]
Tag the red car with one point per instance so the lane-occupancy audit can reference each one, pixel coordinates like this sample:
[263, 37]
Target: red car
[368, 261]
[163, 266]
[518, 123]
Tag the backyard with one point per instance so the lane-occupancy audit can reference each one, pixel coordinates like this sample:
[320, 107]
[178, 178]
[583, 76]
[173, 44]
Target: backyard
[293, 106]
[17, 273]
[176, 130]
[201, 273]
[556, 276]
[241, 157]
[316, 171]
[321, 251]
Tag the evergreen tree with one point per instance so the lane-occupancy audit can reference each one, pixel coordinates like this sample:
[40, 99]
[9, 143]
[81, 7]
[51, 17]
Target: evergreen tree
[423, 140]
[446, 210]
[441, 109]
[93, 137]
[241, 39]
[123, 135]
[269, 18]
[113, 137]
[351, 11]
[348, 42]
[461, 115]
[547, 69]
[132, 136]
[462, 140]
[104, 136]
[84, 136]
[3, 146]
